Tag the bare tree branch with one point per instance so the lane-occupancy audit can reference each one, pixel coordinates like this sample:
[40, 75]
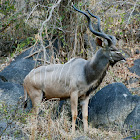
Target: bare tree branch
[41, 29]
[31, 13]
[131, 14]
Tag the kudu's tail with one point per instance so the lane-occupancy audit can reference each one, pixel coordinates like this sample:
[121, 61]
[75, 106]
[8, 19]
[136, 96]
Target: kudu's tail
[25, 97]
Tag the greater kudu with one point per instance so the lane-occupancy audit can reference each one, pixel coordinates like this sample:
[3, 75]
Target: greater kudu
[75, 79]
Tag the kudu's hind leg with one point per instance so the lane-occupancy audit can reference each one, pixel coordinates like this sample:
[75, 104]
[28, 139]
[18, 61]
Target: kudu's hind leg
[74, 103]
[36, 100]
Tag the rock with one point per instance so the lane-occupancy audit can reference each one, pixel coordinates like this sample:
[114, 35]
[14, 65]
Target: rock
[17, 70]
[11, 109]
[132, 138]
[128, 138]
[112, 105]
[24, 54]
[10, 105]
[137, 51]
[10, 92]
[133, 80]
[2, 79]
[136, 67]
[133, 121]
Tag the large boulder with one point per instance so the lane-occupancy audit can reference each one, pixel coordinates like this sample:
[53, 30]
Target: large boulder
[114, 106]
[18, 69]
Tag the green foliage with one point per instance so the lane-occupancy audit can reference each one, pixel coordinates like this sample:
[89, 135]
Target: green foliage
[6, 7]
[13, 28]
[137, 137]
[29, 41]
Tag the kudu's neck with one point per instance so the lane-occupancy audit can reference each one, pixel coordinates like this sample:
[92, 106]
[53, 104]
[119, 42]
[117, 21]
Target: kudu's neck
[97, 66]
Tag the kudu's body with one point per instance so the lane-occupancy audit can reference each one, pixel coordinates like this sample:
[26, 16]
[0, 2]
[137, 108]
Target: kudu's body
[74, 79]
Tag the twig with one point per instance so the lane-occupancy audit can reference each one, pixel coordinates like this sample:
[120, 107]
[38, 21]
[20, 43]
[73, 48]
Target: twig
[75, 43]
[35, 53]
[43, 61]
[131, 13]
[32, 54]
[31, 13]
[41, 29]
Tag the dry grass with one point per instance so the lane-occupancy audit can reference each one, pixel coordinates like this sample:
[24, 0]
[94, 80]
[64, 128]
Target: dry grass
[54, 125]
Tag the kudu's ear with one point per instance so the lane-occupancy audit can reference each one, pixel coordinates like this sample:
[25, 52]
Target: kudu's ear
[98, 41]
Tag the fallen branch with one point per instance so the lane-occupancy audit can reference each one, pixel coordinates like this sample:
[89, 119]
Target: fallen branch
[36, 52]
[32, 54]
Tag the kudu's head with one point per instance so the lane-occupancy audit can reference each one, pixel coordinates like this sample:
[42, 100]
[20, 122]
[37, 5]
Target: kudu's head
[109, 48]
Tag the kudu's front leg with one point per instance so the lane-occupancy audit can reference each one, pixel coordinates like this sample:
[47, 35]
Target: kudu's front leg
[74, 104]
[84, 104]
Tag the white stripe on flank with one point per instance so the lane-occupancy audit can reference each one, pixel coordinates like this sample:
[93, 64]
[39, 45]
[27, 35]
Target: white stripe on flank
[40, 75]
[61, 72]
[52, 74]
[56, 73]
[31, 74]
[34, 78]
[67, 73]
[45, 75]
